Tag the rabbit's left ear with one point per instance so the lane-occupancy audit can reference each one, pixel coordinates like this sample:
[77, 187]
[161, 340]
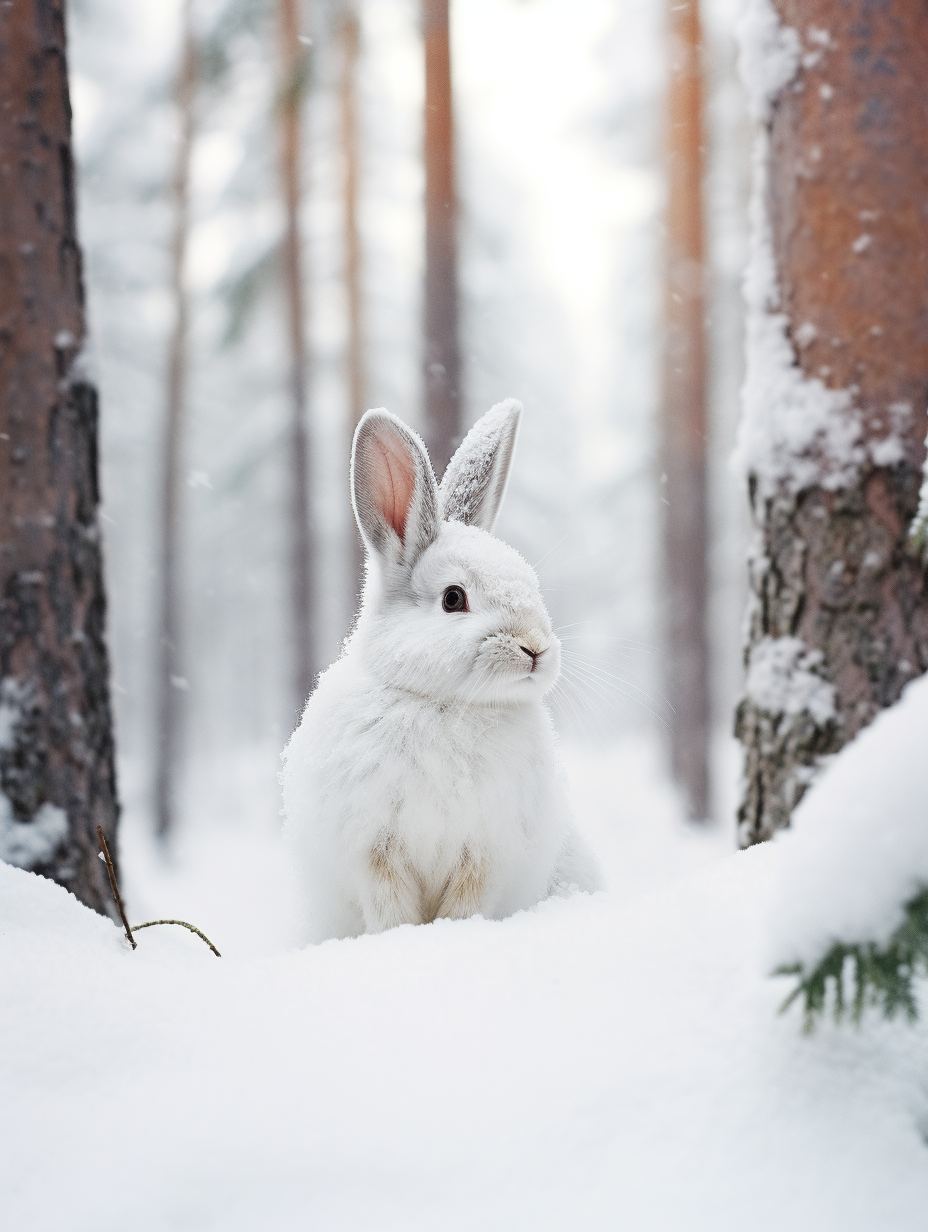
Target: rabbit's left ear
[393, 490]
[474, 484]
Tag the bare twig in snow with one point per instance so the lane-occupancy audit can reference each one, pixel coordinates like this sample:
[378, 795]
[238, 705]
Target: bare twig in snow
[181, 924]
[114, 884]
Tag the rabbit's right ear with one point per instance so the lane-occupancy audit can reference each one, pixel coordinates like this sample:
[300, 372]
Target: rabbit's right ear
[473, 486]
[393, 489]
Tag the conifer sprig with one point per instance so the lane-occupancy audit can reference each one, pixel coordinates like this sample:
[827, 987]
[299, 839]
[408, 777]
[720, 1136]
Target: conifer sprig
[854, 977]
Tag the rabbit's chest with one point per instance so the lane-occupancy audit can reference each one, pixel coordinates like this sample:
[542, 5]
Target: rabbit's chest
[444, 798]
[443, 792]
[454, 836]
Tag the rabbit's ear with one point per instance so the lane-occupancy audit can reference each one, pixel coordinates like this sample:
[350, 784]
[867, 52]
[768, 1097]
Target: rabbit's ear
[393, 489]
[474, 483]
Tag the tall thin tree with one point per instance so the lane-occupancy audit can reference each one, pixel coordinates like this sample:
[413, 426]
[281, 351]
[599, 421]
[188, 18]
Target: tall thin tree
[684, 425]
[354, 361]
[57, 780]
[293, 80]
[835, 396]
[442, 376]
[170, 672]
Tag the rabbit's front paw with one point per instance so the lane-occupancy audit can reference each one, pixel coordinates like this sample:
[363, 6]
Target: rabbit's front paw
[463, 890]
[392, 894]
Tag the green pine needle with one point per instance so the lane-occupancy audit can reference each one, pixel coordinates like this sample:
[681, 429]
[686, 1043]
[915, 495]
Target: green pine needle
[852, 978]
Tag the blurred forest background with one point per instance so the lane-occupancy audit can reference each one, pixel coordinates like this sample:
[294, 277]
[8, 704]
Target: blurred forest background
[255, 220]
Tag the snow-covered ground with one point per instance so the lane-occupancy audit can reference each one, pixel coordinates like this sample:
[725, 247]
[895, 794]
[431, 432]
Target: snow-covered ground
[608, 1062]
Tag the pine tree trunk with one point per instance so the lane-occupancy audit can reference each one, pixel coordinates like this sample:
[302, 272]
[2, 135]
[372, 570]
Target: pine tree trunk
[291, 96]
[169, 659]
[57, 780]
[838, 622]
[442, 377]
[684, 425]
[348, 100]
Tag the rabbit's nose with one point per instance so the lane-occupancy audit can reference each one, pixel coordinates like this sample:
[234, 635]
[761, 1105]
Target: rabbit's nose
[532, 643]
[531, 639]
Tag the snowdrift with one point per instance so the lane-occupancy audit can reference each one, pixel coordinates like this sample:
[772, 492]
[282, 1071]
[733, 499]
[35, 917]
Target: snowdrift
[594, 1063]
[857, 851]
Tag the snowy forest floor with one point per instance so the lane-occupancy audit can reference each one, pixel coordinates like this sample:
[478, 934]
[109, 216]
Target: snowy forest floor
[607, 1062]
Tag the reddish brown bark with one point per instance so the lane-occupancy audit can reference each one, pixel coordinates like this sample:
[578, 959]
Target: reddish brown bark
[291, 99]
[442, 376]
[684, 425]
[170, 670]
[848, 205]
[354, 361]
[57, 778]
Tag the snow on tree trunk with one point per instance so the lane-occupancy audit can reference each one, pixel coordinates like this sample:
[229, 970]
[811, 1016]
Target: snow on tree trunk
[684, 425]
[832, 437]
[57, 780]
[442, 353]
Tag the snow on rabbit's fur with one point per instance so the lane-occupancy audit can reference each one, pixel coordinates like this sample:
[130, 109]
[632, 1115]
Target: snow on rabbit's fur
[423, 780]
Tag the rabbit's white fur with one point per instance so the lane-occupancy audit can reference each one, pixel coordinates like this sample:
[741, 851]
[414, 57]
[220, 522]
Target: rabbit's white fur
[423, 780]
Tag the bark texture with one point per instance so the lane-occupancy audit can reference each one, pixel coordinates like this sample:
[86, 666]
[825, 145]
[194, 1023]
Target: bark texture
[684, 426]
[291, 99]
[848, 209]
[442, 350]
[57, 778]
[170, 670]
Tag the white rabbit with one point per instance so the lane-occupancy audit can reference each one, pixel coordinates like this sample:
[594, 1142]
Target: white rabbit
[423, 780]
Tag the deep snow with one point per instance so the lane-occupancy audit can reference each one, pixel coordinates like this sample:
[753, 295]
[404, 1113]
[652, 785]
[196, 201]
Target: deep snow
[608, 1062]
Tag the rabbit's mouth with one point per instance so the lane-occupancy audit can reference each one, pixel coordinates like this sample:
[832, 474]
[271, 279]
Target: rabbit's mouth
[512, 660]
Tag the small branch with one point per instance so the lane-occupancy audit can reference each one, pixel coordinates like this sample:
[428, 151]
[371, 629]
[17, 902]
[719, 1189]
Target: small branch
[181, 924]
[114, 884]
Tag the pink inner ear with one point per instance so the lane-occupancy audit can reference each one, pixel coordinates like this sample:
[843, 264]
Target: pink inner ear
[394, 482]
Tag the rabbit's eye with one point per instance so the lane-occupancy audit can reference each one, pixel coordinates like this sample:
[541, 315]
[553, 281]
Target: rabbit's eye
[454, 599]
